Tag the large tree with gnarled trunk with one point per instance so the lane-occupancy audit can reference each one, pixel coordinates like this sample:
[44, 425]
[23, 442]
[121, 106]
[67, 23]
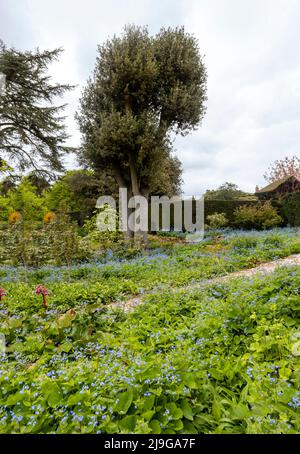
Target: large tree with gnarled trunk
[144, 88]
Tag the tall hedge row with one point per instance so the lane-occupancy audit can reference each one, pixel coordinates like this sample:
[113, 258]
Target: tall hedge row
[289, 208]
[224, 206]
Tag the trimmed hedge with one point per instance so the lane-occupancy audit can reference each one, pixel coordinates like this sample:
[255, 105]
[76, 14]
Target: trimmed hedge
[289, 207]
[227, 207]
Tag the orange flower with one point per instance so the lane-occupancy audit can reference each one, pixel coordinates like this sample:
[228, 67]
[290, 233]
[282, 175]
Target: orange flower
[49, 217]
[14, 217]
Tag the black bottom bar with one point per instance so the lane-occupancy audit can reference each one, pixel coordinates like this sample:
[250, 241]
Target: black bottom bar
[149, 443]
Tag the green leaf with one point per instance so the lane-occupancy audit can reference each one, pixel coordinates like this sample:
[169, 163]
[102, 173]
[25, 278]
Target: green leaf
[14, 323]
[155, 426]
[148, 403]
[187, 410]
[156, 391]
[149, 373]
[74, 399]
[124, 400]
[148, 415]
[174, 411]
[189, 428]
[189, 380]
[296, 349]
[64, 321]
[216, 409]
[65, 347]
[54, 398]
[177, 425]
[128, 423]
[216, 374]
[52, 393]
[13, 399]
[285, 373]
[240, 411]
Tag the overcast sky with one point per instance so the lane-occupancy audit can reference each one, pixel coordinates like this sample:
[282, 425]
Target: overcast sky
[252, 52]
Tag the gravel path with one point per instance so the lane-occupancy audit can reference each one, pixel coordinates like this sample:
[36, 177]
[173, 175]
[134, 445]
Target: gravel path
[264, 268]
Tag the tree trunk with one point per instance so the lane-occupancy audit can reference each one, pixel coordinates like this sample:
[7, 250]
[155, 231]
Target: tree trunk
[139, 236]
[128, 234]
[132, 190]
[134, 177]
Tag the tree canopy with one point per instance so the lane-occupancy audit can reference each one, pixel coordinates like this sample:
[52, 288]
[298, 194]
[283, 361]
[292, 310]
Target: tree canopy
[227, 191]
[77, 191]
[32, 130]
[285, 167]
[143, 89]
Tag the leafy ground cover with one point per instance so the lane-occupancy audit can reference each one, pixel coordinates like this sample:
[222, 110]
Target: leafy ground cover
[222, 358]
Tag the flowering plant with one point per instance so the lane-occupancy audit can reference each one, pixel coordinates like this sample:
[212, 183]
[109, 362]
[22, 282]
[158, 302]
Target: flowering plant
[49, 217]
[41, 290]
[14, 217]
[2, 293]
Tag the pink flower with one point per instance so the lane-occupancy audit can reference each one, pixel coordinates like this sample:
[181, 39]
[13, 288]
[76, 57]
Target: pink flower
[2, 293]
[41, 290]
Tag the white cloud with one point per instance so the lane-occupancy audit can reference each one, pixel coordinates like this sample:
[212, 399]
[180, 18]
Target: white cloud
[252, 53]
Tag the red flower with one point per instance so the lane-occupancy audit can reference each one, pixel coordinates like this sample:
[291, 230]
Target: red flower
[41, 290]
[2, 293]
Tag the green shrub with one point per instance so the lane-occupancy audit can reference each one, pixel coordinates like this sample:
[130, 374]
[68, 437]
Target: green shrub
[99, 242]
[36, 244]
[217, 220]
[24, 200]
[63, 241]
[245, 242]
[261, 216]
[275, 239]
[227, 207]
[290, 209]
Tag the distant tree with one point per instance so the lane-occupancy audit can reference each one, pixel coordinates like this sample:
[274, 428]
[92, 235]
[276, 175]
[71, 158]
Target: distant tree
[143, 89]
[36, 179]
[32, 130]
[25, 200]
[9, 183]
[168, 179]
[77, 192]
[283, 168]
[227, 191]
[39, 181]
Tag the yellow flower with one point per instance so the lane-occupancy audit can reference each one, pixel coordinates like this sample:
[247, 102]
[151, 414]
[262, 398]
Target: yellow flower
[49, 217]
[14, 217]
